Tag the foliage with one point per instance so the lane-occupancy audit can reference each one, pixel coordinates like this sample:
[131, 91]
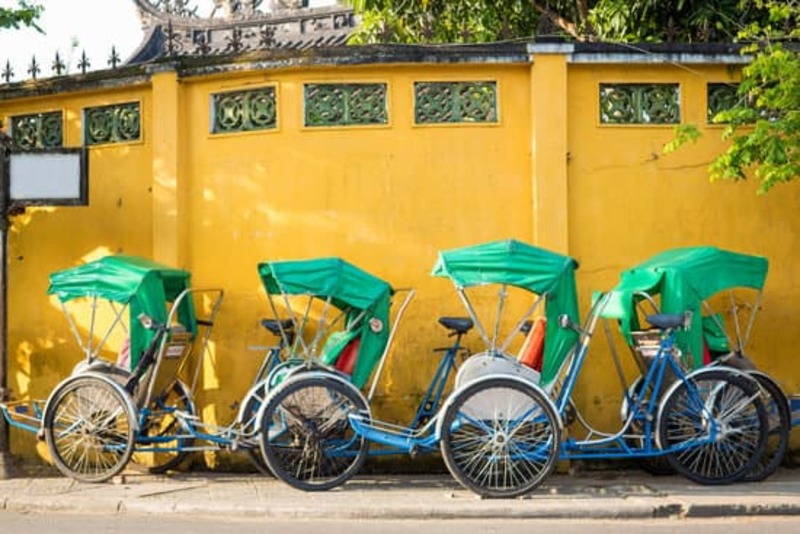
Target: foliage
[764, 126]
[683, 134]
[24, 15]
[442, 21]
[461, 21]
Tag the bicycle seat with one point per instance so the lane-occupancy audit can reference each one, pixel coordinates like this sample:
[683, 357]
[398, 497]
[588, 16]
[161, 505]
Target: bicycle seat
[460, 325]
[667, 320]
[275, 326]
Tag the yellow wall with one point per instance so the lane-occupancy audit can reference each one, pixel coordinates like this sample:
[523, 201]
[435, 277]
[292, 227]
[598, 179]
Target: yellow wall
[41, 349]
[628, 201]
[388, 198]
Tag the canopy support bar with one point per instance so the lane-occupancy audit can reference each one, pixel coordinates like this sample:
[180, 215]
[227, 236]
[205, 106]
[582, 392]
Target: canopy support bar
[756, 305]
[502, 294]
[527, 315]
[474, 316]
[384, 356]
[89, 351]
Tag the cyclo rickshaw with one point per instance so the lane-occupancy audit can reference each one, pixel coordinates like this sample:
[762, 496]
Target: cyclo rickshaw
[723, 289]
[501, 430]
[108, 410]
[317, 425]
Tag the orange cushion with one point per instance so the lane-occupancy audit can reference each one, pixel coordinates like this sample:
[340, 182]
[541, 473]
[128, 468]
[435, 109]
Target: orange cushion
[347, 359]
[532, 353]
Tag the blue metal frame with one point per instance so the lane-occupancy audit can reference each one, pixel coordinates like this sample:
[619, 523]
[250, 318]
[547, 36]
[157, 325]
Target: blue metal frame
[643, 408]
[143, 443]
[419, 436]
[227, 436]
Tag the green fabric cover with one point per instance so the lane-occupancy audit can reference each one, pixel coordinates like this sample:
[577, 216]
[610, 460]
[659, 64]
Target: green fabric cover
[715, 336]
[530, 268]
[351, 289]
[335, 344]
[684, 277]
[146, 286]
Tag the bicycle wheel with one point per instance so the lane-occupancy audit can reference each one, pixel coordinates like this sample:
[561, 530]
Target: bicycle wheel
[780, 423]
[161, 443]
[306, 437]
[500, 437]
[715, 424]
[89, 429]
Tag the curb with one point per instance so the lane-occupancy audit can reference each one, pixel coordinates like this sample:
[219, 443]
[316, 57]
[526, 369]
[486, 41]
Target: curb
[401, 498]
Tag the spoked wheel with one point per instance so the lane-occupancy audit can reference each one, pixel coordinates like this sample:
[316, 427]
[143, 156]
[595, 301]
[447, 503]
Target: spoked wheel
[89, 429]
[306, 437]
[500, 437]
[780, 423]
[162, 443]
[717, 424]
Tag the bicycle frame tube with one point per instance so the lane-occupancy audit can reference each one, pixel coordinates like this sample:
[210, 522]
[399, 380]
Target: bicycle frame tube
[579, 354]
[429, 405]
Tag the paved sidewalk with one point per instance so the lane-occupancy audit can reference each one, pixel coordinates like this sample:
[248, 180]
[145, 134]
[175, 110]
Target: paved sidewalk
[600, 495]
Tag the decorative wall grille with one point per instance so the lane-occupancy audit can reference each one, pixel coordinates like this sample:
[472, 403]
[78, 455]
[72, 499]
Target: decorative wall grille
[345, 104]
[640, 103]
[117, 123]
[720, 96]
[244, 111]
[455, 102]
[39, 130]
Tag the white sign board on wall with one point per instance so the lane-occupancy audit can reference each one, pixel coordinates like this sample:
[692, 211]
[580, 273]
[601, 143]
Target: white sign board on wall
[56, 177]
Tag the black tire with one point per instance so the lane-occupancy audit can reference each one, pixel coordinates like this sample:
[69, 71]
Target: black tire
[780, 423]
[657, 466]
[89, 429]
[734, 405]
[500, 437]
[306, 437]
[154, 449]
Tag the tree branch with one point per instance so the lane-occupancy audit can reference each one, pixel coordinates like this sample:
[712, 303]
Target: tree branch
[567, 25]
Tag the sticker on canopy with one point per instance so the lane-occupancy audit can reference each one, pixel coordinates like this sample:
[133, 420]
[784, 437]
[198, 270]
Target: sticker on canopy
[376, 325]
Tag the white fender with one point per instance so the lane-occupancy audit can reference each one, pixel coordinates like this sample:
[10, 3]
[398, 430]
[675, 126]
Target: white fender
[512, 378]
[493, 363]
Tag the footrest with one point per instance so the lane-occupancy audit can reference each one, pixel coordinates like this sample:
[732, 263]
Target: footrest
[26, 415]
[794, 406]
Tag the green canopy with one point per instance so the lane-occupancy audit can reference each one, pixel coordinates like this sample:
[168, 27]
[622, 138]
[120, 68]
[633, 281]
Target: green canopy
[350, 289]
[684, 278]
[146, 286]
[530, 268]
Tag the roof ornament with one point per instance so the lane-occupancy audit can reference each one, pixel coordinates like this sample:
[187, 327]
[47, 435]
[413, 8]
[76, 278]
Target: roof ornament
[180, 28]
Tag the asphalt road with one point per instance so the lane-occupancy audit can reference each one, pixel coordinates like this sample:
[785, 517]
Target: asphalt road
[152, 524]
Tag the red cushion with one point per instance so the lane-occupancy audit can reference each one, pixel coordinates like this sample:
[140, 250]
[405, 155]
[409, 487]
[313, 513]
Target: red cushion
[347, 359]
[533, 351]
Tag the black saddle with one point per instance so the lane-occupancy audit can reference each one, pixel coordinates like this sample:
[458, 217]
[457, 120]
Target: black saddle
[460, 325]
[667, 320]
[276, 327]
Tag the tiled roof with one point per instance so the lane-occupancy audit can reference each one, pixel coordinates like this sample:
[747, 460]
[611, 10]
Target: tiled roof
[184, 33]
